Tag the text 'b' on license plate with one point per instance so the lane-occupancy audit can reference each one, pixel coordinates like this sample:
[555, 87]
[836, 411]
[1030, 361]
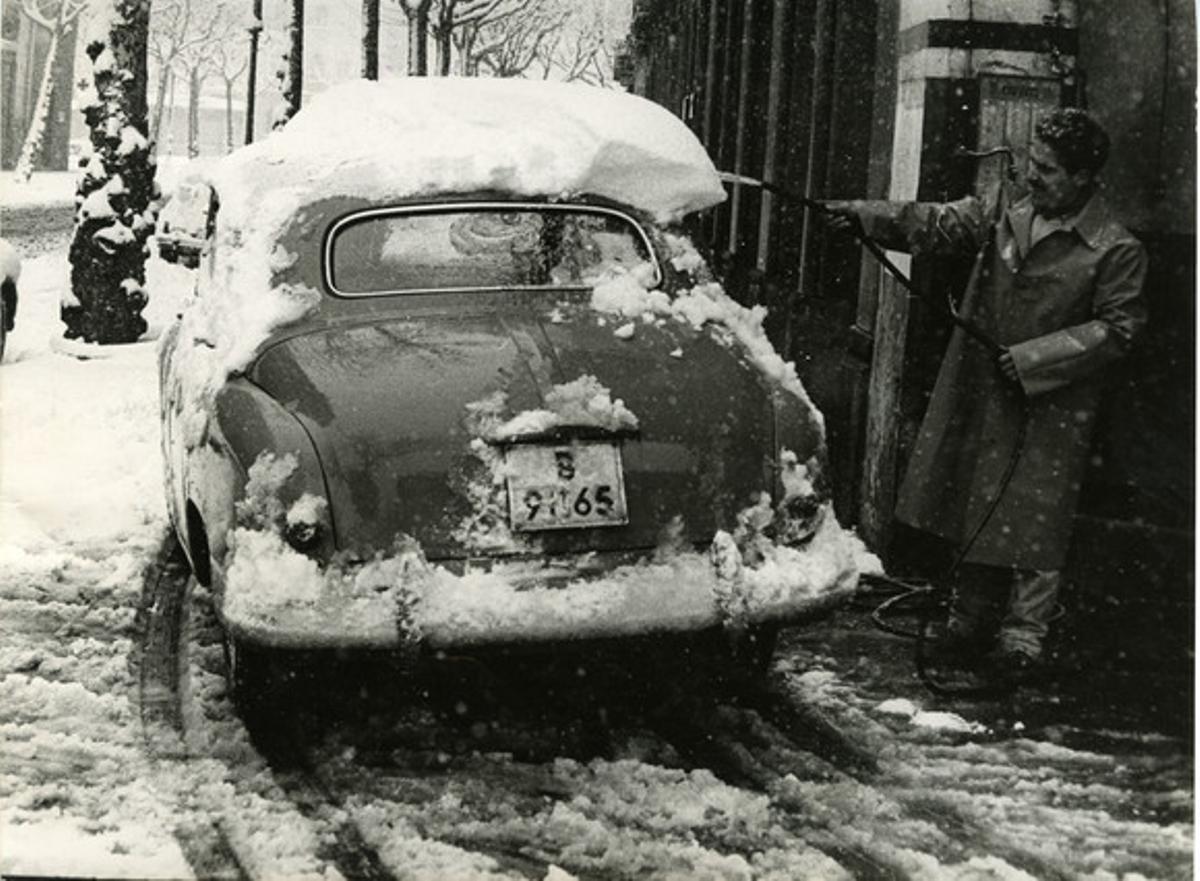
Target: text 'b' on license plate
[565, 486]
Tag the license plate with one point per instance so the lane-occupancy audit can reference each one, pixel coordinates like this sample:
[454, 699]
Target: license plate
[565, 486]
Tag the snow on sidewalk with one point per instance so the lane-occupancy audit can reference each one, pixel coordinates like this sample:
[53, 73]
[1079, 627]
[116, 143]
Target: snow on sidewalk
[58, 187]
[81, 510]
[42, 188]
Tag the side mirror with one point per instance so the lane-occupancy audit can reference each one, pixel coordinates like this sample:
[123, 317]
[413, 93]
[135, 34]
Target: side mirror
[180, 249]
[185, 222]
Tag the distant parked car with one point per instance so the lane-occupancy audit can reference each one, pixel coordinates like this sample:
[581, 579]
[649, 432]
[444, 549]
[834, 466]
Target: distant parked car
[454, 378]
[10, 274]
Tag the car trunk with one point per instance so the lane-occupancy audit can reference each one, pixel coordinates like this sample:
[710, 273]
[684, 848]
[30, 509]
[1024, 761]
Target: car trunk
[386, 404]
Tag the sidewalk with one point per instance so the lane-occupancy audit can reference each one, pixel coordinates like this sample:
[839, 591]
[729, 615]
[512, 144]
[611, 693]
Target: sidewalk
[1096, 702]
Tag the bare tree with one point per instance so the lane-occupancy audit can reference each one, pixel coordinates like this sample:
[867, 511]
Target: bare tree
[583, 49]
[466, 17]
[551, 38]
[60, 18]
[114, 217]
[200, 59]
[231, 59]
[417, 13]
[508, 46]
[178, 30]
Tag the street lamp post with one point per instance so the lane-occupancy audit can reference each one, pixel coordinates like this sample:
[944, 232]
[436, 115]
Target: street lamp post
[252, 71]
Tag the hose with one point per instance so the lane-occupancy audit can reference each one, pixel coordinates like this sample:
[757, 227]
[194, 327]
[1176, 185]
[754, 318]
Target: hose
[923, 622]
[904, 592]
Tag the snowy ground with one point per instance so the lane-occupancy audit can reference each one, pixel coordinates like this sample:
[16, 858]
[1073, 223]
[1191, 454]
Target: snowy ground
[92, 785]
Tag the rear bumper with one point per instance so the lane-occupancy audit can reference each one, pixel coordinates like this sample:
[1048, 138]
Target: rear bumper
[407, 603]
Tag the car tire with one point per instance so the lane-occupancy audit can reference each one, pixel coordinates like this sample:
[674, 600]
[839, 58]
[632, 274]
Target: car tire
[730, 659]
[258, 688]
[751, 651]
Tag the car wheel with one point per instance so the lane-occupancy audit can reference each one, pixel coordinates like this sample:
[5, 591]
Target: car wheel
[729, 659]
[750, 652]
[258, 689]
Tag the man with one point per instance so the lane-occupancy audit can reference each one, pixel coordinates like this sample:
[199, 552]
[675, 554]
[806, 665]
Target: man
[997, 466]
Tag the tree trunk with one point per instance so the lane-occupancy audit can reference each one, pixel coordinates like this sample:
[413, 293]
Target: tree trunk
[228, 115]
[114, 220]
[418, 40]
[193, 134]
[294, 85]
[443, 33]
[56, 143]
[160, 101]
[370, 48]
[41, 107]
[170, 138]
[442, 56]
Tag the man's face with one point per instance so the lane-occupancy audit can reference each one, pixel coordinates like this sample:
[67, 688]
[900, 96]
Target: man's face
[1054, 190]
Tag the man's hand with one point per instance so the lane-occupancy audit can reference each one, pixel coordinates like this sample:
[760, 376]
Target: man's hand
[1007, 366]
[840, 216]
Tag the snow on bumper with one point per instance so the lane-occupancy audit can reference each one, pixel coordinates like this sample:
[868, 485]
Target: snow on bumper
[276, 596]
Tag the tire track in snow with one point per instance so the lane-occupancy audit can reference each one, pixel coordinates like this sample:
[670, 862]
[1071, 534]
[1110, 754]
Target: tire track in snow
[766, 736]
[161, 667]
[166, 638]
[416, 792]
[314, 790]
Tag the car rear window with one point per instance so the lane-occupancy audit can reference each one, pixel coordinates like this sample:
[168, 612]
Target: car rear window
[481, 246]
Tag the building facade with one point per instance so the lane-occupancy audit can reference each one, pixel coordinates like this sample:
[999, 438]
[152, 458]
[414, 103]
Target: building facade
[24, 44]
[884, 99]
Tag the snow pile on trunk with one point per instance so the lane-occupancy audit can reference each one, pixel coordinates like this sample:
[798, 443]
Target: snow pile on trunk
[582, 403]
[632, 294]
[486, 528]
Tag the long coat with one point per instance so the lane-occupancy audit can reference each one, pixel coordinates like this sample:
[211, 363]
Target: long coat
[1065, 307]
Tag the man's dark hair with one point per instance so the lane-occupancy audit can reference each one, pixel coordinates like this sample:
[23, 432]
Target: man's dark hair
[1076, 139]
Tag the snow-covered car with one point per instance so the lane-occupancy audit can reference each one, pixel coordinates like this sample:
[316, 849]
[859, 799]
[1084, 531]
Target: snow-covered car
[10, 274]
[452, 377]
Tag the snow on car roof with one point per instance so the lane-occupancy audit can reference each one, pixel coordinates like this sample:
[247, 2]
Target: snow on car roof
[415, 135]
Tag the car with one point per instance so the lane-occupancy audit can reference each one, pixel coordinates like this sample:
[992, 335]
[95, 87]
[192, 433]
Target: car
[453, 377]
[10, 274]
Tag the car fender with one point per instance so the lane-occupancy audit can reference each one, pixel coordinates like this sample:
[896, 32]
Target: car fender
[800, 429]
[248, 424]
